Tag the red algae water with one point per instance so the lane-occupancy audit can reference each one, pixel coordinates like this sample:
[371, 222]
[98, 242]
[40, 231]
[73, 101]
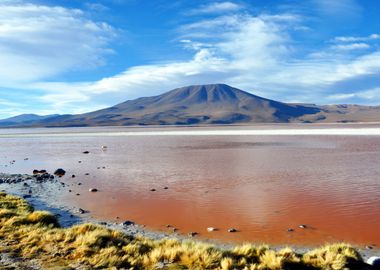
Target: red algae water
[262, 185]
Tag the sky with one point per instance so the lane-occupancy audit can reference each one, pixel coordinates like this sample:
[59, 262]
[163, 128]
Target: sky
[72, 56]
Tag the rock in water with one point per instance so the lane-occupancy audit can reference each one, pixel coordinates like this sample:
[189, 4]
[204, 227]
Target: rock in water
[60, 172]
[374, 261]
[128, 223]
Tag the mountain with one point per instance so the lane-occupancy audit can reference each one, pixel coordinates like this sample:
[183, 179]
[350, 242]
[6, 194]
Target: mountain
[210, 104]
[24, 119]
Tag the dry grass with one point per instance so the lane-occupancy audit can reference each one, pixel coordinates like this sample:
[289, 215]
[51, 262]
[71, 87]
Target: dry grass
[36, 234]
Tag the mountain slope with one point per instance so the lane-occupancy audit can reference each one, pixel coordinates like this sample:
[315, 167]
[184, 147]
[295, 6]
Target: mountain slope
[24, 119]
[199, 104]
[209, 104]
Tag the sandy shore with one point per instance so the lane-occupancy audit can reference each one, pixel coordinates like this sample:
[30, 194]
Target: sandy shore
[41, 194]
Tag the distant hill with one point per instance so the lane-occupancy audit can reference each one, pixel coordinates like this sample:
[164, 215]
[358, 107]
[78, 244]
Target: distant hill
[24, 119]
[206, 105]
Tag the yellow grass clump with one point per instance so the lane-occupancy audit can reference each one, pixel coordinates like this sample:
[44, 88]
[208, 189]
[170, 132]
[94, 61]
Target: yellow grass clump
[37, 235]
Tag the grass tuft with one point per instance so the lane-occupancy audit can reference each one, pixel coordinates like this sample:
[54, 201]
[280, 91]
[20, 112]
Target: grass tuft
[36, 234]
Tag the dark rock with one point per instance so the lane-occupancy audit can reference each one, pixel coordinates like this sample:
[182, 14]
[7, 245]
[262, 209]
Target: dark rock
[40, 178]
[192, 234]
[78, 194]
[60, 172]
[103, 223]
[73, 176]
[86, 152]
[166, 188]
[128, 223]
[79, 184]
[231, 230]
[93, 190]
[369, 247]
[374, 261]
[86, 174]
[290, 230]
[39, 171]
[153, 189]
[81, 211]
[27, 196]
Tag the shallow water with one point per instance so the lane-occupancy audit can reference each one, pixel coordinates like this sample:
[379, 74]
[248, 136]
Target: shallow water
[260, 184]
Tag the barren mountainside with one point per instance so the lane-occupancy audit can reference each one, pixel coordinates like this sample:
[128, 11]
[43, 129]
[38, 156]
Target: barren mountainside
[207, 104]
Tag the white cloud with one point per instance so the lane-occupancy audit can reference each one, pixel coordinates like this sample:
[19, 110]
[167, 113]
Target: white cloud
[249, 52]
[352, 46]
[40, 41]
[246, 51]
[217, 7]
[355, 39]
[372, 95]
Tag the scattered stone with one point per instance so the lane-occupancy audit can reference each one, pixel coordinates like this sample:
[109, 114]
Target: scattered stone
[86, 174]
[81, 211]
[290, 230]
[153, 189]
[93, 190]
[104, 147]
[70, 190]
[30, 191]
[27, 196]
[78, 194]
[79, 161]
[103, 223]
[103, 167]
[73, 176]
[302, 226]
[39, 171]
[231, 230]
[192, 234]
[25, 184]
[60, 172]
[26, 158]
[79, 184]
[374, 261]
[169, 226]
[86, 152]
[128, 223]
[369, 247]
[211, 229]
[166, 188]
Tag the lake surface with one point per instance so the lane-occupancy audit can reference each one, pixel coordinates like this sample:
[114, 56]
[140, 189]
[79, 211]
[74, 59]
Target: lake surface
[260, 180]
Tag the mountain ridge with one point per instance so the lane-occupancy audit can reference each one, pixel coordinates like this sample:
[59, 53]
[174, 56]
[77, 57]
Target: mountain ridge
[207, 105]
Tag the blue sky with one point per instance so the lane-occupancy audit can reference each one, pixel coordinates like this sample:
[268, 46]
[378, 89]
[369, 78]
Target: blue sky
[71, 56]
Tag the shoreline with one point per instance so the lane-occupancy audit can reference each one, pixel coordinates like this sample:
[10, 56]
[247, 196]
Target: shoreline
[41, 195]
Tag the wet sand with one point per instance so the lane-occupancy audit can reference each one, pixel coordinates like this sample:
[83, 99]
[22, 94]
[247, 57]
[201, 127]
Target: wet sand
[261, 185]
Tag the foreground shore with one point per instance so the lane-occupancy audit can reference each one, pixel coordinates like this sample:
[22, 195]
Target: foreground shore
[64, 237]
